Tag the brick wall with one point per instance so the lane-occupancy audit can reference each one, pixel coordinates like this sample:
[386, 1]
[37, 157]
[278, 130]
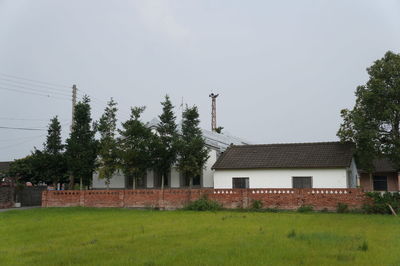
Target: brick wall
[286, 199]
[6, 197]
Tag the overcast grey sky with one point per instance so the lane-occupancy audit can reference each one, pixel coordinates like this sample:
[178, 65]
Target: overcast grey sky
[283, 69]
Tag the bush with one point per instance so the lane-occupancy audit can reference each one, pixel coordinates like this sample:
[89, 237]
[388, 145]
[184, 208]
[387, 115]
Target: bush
[381, 201]
[342, 208]
[305, 208]
[363, 246]
[203, 204]
[291, 234]
[256, 205]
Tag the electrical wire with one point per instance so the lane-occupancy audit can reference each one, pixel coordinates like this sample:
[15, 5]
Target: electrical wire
[34, 80]
[34, 93]
[22, 128]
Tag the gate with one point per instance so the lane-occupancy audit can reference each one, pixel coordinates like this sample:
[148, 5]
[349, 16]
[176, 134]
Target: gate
[30, 196]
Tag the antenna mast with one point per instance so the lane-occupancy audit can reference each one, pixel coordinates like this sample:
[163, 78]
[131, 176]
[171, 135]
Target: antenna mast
[213, 111]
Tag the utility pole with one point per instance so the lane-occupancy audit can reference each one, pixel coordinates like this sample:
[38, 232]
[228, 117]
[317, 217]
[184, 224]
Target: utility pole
[213, 111]
[74, 92]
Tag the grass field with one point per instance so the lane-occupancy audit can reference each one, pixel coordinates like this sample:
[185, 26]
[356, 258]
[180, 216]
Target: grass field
[69, 236]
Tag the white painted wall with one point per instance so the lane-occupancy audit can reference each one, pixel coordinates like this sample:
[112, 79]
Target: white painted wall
[117, 181]
[282, 178]
[175, 178]
[208, 173]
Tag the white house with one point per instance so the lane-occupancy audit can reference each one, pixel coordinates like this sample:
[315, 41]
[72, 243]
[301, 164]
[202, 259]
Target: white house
[215, 142]
[297, 165]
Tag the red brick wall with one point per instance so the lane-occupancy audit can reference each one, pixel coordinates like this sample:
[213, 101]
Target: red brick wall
[286, 199]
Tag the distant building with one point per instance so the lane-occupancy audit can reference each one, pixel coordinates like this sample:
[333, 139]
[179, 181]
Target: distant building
[293, 165]
[385, 177]
[217, 143]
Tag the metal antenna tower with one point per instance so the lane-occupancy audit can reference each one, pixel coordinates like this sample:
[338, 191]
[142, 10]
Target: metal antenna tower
[213, 111]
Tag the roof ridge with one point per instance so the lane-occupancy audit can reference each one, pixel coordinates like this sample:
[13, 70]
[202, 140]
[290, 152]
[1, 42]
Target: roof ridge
[293, 143]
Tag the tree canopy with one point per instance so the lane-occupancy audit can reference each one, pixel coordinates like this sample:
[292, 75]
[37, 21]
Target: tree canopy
[193, 153]
[81, 145]
[108, 155]
[373, 123]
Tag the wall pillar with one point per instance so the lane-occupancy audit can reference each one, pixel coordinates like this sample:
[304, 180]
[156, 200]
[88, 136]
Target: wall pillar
[398, 181]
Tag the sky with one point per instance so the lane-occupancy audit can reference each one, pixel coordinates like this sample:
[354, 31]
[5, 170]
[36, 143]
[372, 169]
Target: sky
[283, 69]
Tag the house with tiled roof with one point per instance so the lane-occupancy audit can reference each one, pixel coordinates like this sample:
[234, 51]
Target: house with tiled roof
[292, 165]
[385, 176]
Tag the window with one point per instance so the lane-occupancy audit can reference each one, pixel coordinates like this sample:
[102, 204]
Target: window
[240, 182]
[302, 182]
[380, 183]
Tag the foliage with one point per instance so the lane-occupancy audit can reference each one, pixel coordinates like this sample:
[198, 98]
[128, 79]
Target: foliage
[363, 246]
[305, 208]
[203, 204]
[82, 147]
[380, 203]
[193, 153]
[136, 146]
[256, 205]
[27, 169]
[54, 163]
[374, 122]
[219, 130]
[342, 208]
[47, 166]
[166, 150]
[108, 152]
[291, 234]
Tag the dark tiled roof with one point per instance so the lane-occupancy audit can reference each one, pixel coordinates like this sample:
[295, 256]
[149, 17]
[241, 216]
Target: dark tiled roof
[4, 166]
[382, 165]
[292, 155]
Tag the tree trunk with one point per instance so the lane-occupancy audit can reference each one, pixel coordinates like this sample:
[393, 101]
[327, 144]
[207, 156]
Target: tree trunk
[80, 183]
[71, 181]
[134, 182]
[162, 181]
[191, 182]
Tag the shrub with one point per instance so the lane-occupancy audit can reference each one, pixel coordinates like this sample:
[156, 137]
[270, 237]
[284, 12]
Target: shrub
[363, 246]
[203, 204]
[381, 201]
[342, 208]
[256, 205]
[291, 234]
[305, 208]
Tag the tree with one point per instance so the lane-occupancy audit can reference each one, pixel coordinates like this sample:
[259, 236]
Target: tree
[135, 146]
[193, 153]
[108, 156]
[81, 146]
[166, 143]
[373, 123]
[53, 159]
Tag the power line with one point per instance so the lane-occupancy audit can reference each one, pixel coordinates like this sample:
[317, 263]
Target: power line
[33, 84]
[35, 89]
[22, 128]
[22, 142]
[33, 93]
[34, 80]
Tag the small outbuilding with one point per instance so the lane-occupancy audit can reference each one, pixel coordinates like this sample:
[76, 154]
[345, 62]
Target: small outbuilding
[293, 165]
[385, 177]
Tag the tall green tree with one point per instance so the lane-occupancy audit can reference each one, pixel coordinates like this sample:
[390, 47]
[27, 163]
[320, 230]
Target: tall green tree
[373, 123]
[108, 155]
[52, 156]
[135, 147]
[166, 150]
[81, 147]
[193, 152]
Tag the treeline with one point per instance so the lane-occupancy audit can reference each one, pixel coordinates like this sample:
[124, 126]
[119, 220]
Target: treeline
[100, 146]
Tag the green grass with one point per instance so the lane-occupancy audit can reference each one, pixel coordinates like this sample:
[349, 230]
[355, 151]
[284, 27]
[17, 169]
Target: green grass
[70, 236]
